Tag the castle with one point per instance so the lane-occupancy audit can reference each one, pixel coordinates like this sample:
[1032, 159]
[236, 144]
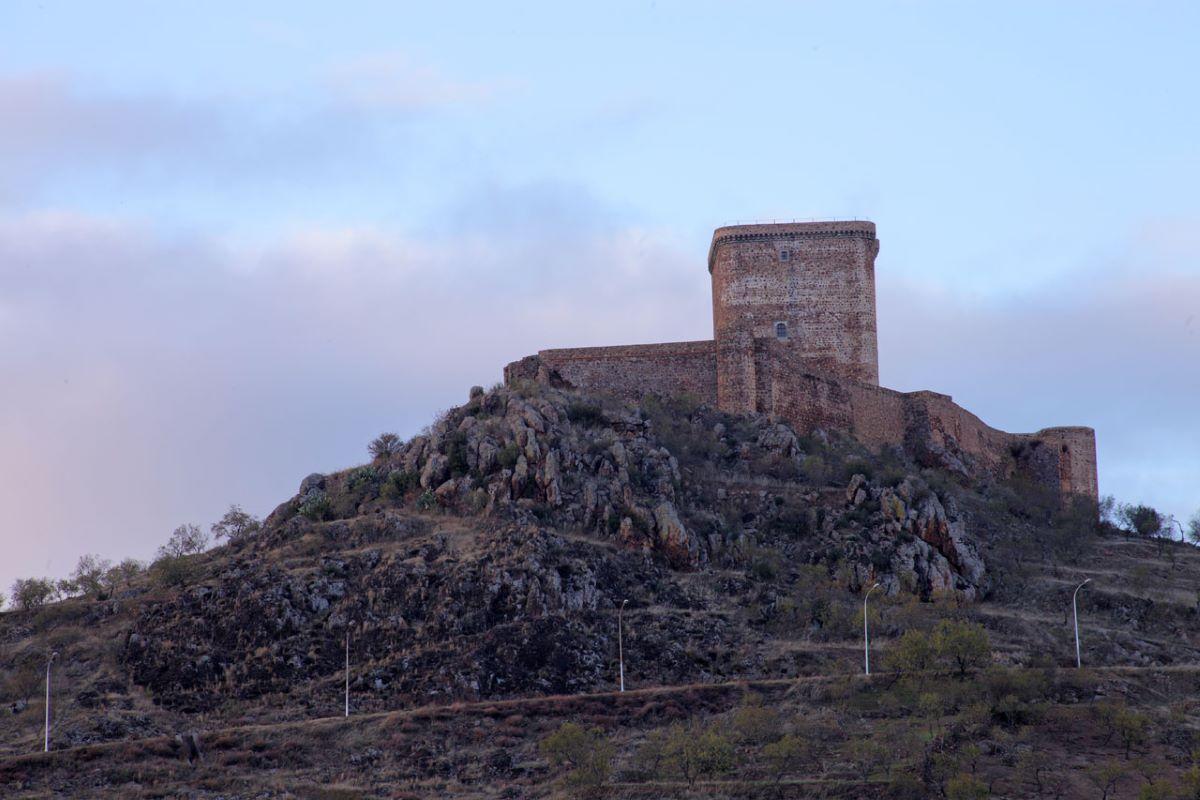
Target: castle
[794, 337]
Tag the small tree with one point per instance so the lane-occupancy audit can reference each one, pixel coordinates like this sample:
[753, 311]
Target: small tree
[1131, 727]
[966, 787]
[236, 526]
[787, 755]
[3, 600]
[91, 575]
[1106, 777]
[586, 753]
[1141, 520]
[756, 724]
[122, 575]
[1193, 529]
[912, 653]
[385, 445]
[962, 645]
[694, 752]
[185, 540]
[30, 593]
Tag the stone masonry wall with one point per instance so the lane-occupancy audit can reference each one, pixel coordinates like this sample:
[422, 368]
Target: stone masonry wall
[795, 338]
[808, 286]
[631, 372]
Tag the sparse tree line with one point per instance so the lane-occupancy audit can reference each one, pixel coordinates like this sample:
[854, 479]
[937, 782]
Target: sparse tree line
[1138, 519]
[99, 578]
[945, 723]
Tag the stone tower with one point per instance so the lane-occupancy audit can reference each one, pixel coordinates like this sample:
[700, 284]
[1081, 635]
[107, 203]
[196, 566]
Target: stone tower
[798, 295]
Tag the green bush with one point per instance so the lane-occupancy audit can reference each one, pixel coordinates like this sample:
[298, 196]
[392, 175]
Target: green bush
[398, 484]
[585, 753]
[384, 446]
[693, 751]
[585, 414]
[508, 455]
[316, 507]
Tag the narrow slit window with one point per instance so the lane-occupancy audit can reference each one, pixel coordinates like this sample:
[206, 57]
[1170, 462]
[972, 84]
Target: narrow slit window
[785, 255]
[780, 330]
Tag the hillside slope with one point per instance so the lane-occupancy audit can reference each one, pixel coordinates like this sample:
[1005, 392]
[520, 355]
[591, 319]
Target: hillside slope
[485, 559]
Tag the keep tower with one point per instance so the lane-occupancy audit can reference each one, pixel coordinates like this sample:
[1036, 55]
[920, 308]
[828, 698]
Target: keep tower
[798, 294]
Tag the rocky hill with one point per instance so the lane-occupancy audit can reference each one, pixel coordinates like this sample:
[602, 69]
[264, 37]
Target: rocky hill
[477, 570]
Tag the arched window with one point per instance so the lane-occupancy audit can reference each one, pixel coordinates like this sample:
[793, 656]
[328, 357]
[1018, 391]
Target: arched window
[780, 330]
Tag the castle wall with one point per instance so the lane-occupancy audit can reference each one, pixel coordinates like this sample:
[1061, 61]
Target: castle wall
[634, 371]
[935, 430]
[810, 287]
[795, 337]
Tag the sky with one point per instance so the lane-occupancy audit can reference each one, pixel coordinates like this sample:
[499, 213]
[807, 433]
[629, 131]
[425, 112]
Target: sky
[238, 240]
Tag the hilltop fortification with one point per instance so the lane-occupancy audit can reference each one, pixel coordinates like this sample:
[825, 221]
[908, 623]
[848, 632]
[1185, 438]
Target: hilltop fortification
[795, 337]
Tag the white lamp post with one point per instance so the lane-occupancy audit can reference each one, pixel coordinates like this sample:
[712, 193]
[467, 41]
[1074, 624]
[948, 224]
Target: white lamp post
[621, 643]
[347, 670]
[866, 636]
[46, 743]
[1075, 611]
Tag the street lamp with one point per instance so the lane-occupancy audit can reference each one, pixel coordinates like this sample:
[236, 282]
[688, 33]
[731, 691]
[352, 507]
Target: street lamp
[1075, 610]
[49, 661]
[866, 637]
[621, 643]
[347, 670]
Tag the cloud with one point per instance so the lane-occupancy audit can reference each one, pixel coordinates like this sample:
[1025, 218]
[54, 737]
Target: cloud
[154, 379]
[1115, 348]
[59, 131]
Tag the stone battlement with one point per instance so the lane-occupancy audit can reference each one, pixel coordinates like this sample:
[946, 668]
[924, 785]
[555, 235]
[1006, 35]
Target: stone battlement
[795, 338]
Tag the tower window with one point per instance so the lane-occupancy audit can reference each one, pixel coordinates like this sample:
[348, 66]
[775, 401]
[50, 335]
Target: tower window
[785, 255]
[780, 330]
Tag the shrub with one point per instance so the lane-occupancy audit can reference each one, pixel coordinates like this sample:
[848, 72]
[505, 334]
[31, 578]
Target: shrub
[1131, 728]
[398, 484]
[787, 755]
[756, 725]
[695, 752]
[91, 575]
[31, 593]
[508, 455]
[584, 414]
[235, 526]
[1193, 528]
[185, 540]
[122, 574]
[962, 645]
[912, 653]
[586, 754]
[764, 563]
[385, 445]
[360, 477]
[174, 571]
[966, 787]
[316, 507]
[1141, 520]
[456, 454]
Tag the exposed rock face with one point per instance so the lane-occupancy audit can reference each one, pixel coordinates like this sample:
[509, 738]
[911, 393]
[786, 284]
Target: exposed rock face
[511, 455]
[485, 556]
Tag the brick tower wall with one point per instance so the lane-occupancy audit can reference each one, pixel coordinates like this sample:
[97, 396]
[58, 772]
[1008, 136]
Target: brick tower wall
[817, 279]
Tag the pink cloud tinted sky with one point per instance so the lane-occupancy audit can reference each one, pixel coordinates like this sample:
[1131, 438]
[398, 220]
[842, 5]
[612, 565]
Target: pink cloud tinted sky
[230, 255]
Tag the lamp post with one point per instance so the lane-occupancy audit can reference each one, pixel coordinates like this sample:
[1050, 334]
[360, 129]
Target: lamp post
[46, 742]
[1075, 611]
[347, 670]
[866, 636]
[621, 642]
